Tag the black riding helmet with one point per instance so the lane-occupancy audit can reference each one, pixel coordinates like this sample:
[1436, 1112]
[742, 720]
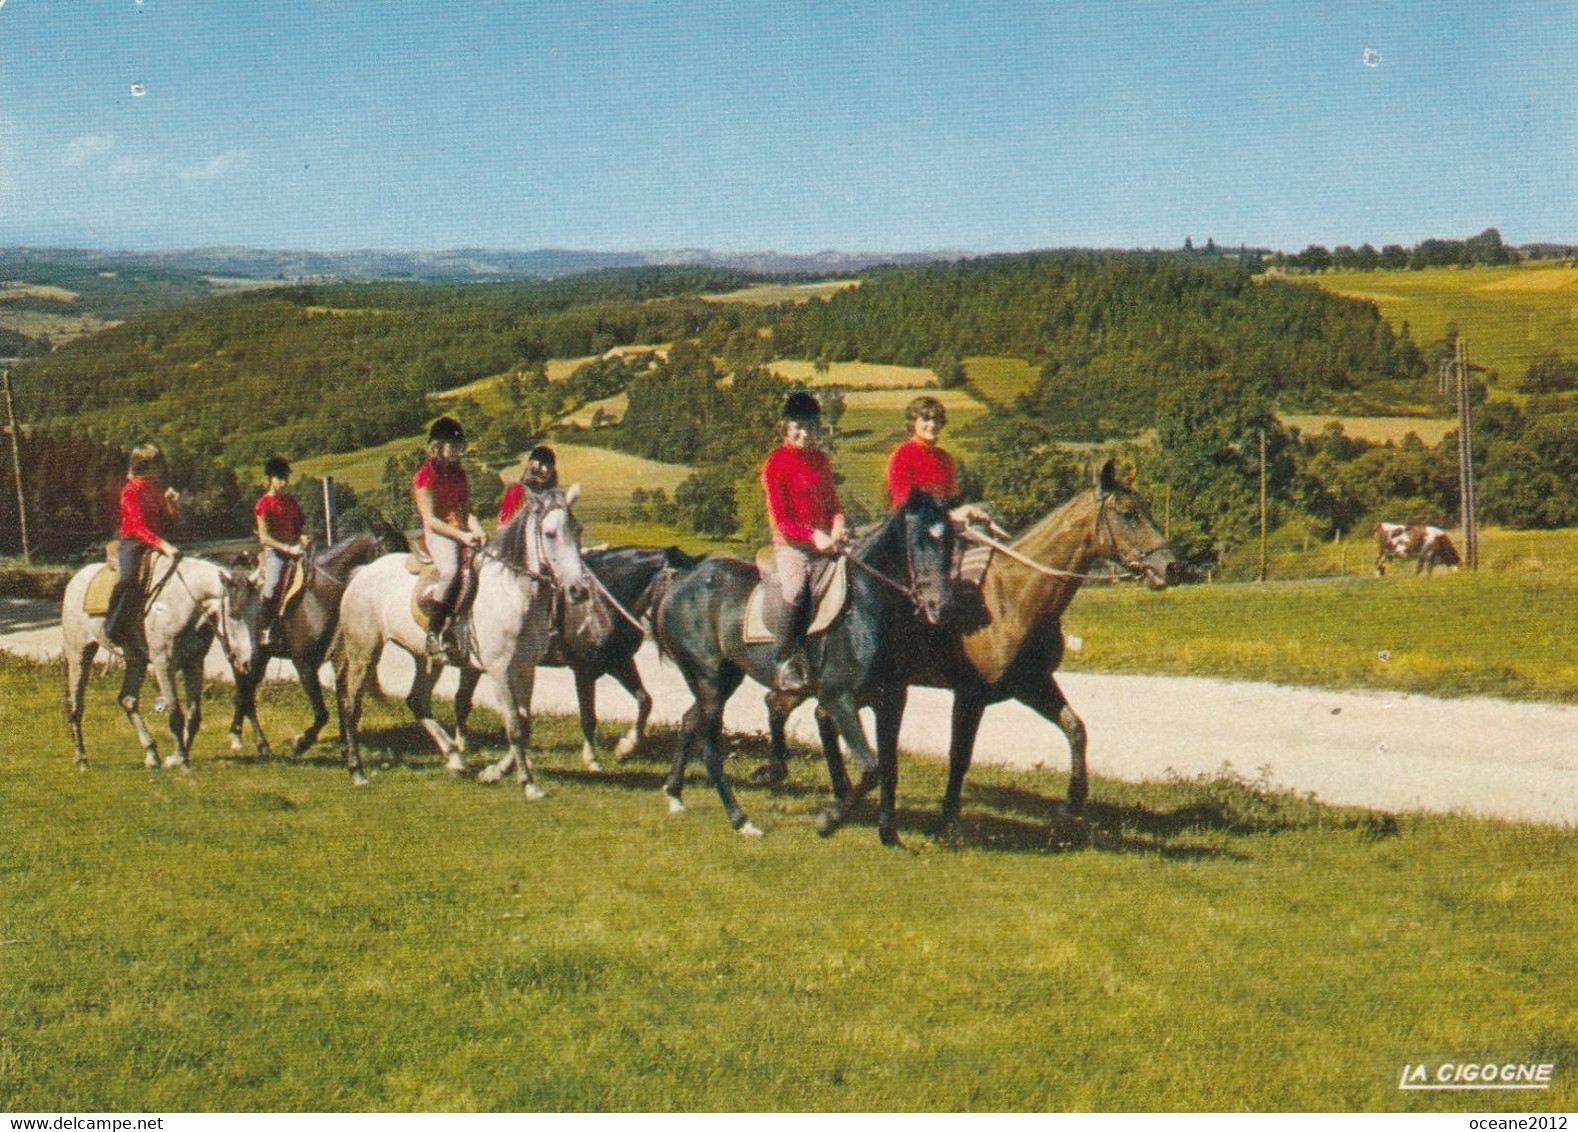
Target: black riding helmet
[803, 407]
[446, 429]
[277, 468]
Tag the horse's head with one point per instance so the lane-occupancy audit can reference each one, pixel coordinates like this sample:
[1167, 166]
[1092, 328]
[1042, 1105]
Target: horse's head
[236, 615]
[559, 545]
[927, 535]
[1127, 535]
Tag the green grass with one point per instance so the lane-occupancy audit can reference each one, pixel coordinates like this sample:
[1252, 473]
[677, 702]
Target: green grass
[1488, 634]
[770, 294]
[1000, 380]
[1376, 429]
[260, 936]
[856, 375]
[1509, 315]
[363, 469]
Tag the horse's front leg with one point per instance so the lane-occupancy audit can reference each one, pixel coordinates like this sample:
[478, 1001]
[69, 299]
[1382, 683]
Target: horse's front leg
[465, 696]
[79, 667]
[307, 676]
[629, 677]
[192, 684]
[967, 711]
[890, 705]
[131, 687]
[776, 768]
[164, 674]
[420, 700]
[517, 726]
[845, 716]
[246, 709]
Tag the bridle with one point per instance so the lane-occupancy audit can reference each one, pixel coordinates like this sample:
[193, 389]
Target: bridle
[911, 591]
[216, 611]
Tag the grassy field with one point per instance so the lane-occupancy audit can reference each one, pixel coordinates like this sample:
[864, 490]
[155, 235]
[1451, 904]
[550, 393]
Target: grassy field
[1000, 380]
[259, 935]
[1509, 315]
[1497, 632]
[362, 470]
[1377, 429]
[770, 294]
[854, 375]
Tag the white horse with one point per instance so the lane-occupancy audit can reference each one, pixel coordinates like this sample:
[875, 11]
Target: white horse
[190, 601]
[534, 555]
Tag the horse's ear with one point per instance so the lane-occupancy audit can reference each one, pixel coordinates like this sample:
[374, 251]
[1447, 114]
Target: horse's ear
[1107, 478]
[572, 495]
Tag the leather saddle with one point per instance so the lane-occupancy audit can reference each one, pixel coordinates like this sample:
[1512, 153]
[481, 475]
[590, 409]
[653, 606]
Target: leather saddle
[829, 593]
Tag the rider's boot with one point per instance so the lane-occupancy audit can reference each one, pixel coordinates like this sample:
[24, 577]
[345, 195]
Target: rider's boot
[791, 674]
[437, 621]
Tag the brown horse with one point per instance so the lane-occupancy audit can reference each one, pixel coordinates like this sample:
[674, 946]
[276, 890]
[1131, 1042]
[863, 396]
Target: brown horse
[1008, 644]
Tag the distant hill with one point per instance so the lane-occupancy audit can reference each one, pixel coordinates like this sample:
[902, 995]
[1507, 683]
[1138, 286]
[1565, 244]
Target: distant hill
[447, 265]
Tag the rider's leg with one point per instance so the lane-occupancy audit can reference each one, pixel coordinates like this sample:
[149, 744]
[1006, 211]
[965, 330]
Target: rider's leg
[441, 592]
[121, 624]
[794, 595]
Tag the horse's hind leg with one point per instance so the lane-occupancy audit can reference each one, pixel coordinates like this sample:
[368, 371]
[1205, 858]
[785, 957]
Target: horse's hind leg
[711, 732]
[192, 683]
[967, 712]
[79, 666]
[629, 677]
[1048, 699]
[165, 675]
[890, 714]
[354, 666]
[517, 728]
[586, 701]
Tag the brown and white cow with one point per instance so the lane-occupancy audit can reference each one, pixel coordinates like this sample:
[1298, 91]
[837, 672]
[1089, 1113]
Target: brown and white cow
[1429, 547]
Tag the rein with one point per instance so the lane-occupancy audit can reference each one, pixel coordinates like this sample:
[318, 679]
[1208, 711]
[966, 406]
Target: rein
[613, 601]
[1132, 571]
[220, 617]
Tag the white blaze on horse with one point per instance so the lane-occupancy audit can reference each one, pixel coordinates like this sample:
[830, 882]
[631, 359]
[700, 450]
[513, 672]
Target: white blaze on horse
[533, 557]
[1427, 546]
[191, 601]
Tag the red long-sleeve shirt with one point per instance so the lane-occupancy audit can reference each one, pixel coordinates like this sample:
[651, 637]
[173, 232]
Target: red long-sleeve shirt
[144, 509]
[926, 466]
[514, 496]
[801, 498]
[282, 516]
[451, 490]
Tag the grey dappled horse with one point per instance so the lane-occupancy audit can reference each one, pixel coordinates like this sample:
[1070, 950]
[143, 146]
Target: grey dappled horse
[191, 601]
[531, 558]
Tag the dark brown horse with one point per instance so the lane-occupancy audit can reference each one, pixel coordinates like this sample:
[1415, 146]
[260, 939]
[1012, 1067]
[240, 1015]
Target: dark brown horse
[302, 635]
[1009, 643]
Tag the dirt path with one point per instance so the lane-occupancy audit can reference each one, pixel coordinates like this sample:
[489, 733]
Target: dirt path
[1387, 750]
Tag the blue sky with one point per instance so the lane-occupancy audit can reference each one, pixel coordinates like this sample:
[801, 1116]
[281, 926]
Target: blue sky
[793, 127]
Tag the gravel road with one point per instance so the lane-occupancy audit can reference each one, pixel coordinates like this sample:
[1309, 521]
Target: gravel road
[1381, 749]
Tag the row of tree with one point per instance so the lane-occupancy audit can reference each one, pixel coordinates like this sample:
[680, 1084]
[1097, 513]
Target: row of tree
[1485, 249]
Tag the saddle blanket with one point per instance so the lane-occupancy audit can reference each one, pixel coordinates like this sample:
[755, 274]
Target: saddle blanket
[96, 600]
[829, 592]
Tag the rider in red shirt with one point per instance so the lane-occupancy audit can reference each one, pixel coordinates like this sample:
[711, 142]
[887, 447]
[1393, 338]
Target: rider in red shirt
[807, 523]
[921, 463]
[541, 475]
[443, 500]
[146, 505]
[279, 526]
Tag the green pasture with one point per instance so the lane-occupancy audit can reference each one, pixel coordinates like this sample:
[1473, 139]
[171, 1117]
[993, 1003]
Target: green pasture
[1379, 430]
[1509, 315]
[361, 470]
[771, 294]
[855, 375]
[1000, 380]
[1505, 633]
[259, 935]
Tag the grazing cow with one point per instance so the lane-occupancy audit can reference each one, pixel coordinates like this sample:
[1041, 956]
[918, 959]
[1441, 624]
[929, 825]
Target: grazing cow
[1429, 547]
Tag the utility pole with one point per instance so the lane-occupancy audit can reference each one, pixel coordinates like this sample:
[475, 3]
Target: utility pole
[1465, 461]
[328, 510]
[1262, 576]
[16, 464]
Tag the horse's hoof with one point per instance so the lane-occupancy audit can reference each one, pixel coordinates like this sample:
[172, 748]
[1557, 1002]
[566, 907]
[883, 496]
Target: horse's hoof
[151, 760]
[299, 746]
[749, 830]
[265, 751]
[626, 747]
[675, 806]
[236, 744]
[460, 744]
[457, 769]
[594, 767]
[488, 775]
[82, 766]
[828, 822]
[358, 779]
[890, 838]
[176, 762]
[533, 792]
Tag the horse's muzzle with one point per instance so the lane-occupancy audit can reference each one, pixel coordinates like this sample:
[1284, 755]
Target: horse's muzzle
[1161, 569]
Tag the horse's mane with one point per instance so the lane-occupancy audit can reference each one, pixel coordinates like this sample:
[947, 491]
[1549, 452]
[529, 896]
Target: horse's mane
[509, 541]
